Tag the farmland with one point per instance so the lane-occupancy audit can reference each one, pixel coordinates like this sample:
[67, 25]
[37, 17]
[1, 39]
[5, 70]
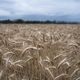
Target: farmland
[39, 52]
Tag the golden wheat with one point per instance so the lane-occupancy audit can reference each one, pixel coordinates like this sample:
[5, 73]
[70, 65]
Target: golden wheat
[39, 52]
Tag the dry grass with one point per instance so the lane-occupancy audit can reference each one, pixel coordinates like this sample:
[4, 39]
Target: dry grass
[39, 52]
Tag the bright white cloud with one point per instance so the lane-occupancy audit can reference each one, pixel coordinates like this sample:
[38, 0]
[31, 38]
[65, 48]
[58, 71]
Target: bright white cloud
[43, 7]
[4, 12]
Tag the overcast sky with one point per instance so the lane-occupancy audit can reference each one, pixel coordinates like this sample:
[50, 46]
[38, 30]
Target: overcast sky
[39, 7]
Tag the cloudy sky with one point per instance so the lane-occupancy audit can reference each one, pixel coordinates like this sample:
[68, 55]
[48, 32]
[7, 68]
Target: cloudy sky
[15, 8]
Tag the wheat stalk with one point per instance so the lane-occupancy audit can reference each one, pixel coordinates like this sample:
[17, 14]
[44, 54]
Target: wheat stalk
[12, 75]
[7, 61]
[30, 47]
[78, 78]
[61, 75]
[1, 73]
[68, 64]
[5, 54]
[47, 59]
[58, 56]
[52, 67]
[29, 58]
[50, 73]
[61, 62]
[16, 62]
[40, 61]
[74, 72]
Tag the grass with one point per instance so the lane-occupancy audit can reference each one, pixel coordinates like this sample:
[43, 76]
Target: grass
[39, 52]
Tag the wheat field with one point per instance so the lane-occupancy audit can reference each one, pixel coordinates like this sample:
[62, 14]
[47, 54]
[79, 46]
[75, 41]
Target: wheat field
[39, 52]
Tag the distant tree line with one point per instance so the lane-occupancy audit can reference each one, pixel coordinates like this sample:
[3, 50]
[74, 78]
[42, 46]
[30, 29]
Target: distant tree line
[36, 22]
